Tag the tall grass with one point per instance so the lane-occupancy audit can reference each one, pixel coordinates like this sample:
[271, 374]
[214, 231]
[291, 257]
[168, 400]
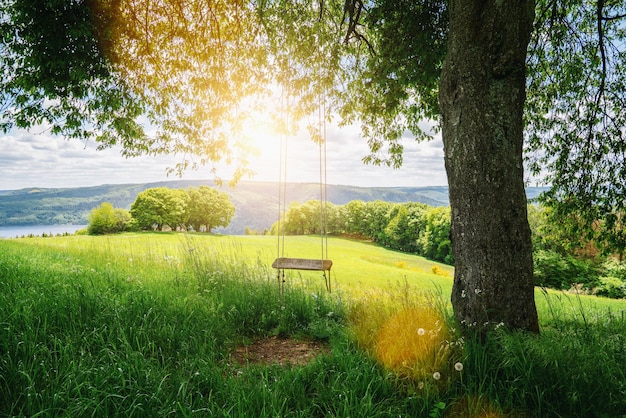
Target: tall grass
[575, 368]
[101, 332]
[144, 325]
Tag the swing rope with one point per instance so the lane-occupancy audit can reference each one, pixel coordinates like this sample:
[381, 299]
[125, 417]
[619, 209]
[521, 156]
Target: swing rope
[281, 263]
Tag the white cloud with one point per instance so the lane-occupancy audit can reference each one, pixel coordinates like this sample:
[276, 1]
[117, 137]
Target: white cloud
[37, 159]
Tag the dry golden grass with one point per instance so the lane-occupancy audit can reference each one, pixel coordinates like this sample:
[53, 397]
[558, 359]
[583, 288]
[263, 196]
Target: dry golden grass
[409, 333]
[413, 342]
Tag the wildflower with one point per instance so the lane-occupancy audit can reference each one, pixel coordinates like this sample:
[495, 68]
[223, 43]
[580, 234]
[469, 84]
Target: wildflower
[458, 367]
[420, 385]
[420, 331]
[436, 375]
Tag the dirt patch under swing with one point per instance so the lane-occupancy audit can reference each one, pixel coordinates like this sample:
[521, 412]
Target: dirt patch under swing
[275, 350]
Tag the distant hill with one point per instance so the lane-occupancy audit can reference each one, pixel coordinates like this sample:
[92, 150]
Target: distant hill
[256, 202]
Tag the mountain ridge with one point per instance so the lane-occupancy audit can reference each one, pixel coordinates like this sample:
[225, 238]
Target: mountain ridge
[256, 203]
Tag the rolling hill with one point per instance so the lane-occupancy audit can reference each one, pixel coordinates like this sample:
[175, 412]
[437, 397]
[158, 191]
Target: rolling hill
[256, 202]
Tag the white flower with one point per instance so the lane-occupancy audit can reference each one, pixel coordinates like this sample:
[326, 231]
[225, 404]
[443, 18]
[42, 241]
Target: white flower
[458, 367]
[420, 331]
[436, 375]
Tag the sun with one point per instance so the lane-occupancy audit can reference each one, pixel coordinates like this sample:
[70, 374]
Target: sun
[267, 147]
[259, 142]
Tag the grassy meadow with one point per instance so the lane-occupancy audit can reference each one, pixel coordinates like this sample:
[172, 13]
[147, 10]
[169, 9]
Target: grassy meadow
[146, 325]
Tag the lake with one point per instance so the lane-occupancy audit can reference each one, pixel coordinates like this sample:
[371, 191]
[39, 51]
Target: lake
[25, 230]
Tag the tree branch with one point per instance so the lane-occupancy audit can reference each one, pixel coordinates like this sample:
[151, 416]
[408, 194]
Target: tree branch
[616, 17]
[353, 9]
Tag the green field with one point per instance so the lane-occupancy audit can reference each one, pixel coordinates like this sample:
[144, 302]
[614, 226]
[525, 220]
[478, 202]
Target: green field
[146, 325]
[356, 264]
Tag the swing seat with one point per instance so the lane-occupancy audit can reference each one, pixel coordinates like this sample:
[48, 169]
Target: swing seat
[284, 263]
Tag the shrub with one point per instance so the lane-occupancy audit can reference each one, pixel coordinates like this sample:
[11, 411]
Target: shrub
[105, 219]
[561, 272]
[611, 287]
[612, 282]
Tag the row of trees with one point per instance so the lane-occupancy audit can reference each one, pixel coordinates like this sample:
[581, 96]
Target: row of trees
[199, 209]
[563, 258]
[410, 227]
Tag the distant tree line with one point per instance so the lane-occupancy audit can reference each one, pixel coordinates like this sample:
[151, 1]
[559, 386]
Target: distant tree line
[410, 227]
[563, 258]
[200, 209]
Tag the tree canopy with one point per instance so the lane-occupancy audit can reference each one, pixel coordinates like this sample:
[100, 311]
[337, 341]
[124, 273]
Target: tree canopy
[575, 115]
[182, 78]
[158, 207]
[202, 208]
[208, 208]
[110, 71]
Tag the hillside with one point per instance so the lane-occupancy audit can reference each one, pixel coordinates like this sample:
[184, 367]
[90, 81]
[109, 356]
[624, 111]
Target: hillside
[256, 202]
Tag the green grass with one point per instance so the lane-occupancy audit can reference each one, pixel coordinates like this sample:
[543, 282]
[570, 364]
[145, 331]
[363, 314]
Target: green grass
[356, 265]
[144, 324]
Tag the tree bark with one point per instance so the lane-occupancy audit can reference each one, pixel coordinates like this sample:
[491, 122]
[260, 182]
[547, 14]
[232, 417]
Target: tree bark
[482, 94]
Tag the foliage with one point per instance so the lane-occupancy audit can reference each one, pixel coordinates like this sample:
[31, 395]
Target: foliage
[551, 232]
[563, 259]
[56, 75]
[562, 272]
[208, 208]
[575, 114]
[612, 281]
[410, 227]
[159, 207]
[202, 208]
[375, 219]
[105, 219]
[435, 239]
[392, 83]
[405, 228]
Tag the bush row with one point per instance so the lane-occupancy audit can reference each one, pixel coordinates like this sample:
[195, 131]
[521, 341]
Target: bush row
[409, 227]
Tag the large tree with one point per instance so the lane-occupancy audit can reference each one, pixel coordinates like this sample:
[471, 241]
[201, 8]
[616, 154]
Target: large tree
[482, 93]
[158, 207]
[208, 208]
[196, 69]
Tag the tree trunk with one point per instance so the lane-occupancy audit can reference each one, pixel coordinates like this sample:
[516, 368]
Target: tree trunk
[482, 94]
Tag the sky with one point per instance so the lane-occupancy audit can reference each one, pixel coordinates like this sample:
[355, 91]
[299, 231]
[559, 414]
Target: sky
[36, 159]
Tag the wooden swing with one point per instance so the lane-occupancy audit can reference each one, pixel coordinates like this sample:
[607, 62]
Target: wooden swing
[282, 263]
